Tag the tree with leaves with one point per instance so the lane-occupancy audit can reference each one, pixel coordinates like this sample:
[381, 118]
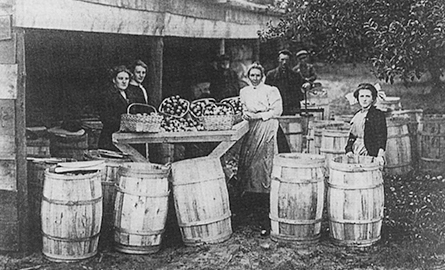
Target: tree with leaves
[401, 38]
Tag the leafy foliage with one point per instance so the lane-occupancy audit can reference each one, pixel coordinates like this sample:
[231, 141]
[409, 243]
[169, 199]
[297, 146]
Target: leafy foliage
[401, 38]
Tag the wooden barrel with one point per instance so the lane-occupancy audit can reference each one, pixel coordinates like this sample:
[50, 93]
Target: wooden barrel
[108, 182]
[69, 146]
[413, 119]
[141, 207]
[36, 174]
[163, 153]
[398, 147]
[432, 144]
[93, 127]
[315, 130]
[71, 215]
[355, 201]
[343, 118]
[293, 130]
[297, 198]
[38, 147]
[389, 104]
[201, 201]
[333, 142]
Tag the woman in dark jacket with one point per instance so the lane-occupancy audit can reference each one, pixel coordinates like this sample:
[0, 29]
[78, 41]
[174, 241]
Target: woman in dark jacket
[368, 134]
[114, 103]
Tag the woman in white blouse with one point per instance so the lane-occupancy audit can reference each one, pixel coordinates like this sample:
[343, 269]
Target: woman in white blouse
[261, 105]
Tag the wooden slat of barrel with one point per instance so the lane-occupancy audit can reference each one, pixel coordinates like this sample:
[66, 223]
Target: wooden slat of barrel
[413, 118]
[141, 207]
[36, 175]
[68, 146]
[71, 215]
[355, 201]
[109, 176]
[432, 144]
[297, 198]
[293, 130]
[201, 201]
[93, 127]
[333, 143]
[38, 147]
[315, 133]
[398, 147]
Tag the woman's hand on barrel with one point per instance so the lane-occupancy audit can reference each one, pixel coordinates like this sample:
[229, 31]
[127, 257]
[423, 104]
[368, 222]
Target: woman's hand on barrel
[350, 154]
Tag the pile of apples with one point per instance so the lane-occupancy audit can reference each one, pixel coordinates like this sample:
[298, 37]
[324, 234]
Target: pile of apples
[235, 102]
[218, 109]
[179, 124]
[197, 106]
[174, 105]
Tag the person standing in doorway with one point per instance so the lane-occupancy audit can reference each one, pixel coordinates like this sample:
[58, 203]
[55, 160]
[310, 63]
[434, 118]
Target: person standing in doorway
[115, 102]
[136, 91]
[224, 82]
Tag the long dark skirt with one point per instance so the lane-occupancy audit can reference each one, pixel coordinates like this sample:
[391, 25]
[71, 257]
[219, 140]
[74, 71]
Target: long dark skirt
[256, 156]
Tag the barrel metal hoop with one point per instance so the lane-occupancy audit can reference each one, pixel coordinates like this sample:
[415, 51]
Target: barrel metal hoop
[129, 192]
[399, 136]
[349, 170]
[344, 221]
[197, 181]
[108, 183]
[331, 151]
[342, 187]
[136, 232]
[432, 159]
[295, 222]
[72, 203]
[205, 222]
[138, 175]
[300, 181]
[359, 243]
[82, 239]
[423, 133]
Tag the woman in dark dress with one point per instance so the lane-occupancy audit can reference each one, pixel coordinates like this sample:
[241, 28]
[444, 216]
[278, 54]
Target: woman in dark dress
[114, 103]
[368, 133]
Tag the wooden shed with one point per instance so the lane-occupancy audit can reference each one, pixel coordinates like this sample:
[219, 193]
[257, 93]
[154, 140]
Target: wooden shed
[55, 54]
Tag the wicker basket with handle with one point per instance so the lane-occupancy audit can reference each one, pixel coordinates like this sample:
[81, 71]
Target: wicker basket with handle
[218, 121]
[146, 122]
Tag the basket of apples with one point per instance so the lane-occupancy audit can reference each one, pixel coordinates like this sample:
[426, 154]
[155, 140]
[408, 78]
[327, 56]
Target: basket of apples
[218, 116]
[174, 106]
[197, 107]
[235, 102]
[141, 118]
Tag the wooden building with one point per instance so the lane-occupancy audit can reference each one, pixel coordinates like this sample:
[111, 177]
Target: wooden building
[55, 55]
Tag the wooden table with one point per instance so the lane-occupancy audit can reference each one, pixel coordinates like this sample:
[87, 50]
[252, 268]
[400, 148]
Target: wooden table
[226, 138]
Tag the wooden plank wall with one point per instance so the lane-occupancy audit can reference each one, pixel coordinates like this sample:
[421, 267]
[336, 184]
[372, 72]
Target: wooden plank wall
[13, 191]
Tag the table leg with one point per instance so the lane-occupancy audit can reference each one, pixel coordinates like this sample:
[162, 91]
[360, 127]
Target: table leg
[131, 152]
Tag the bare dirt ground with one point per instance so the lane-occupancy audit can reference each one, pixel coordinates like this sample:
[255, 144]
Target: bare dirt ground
[413, 233]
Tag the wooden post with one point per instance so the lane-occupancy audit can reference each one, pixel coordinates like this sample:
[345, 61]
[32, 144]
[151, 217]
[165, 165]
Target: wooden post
[20, 122]
[13, 181]
[155, 70]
